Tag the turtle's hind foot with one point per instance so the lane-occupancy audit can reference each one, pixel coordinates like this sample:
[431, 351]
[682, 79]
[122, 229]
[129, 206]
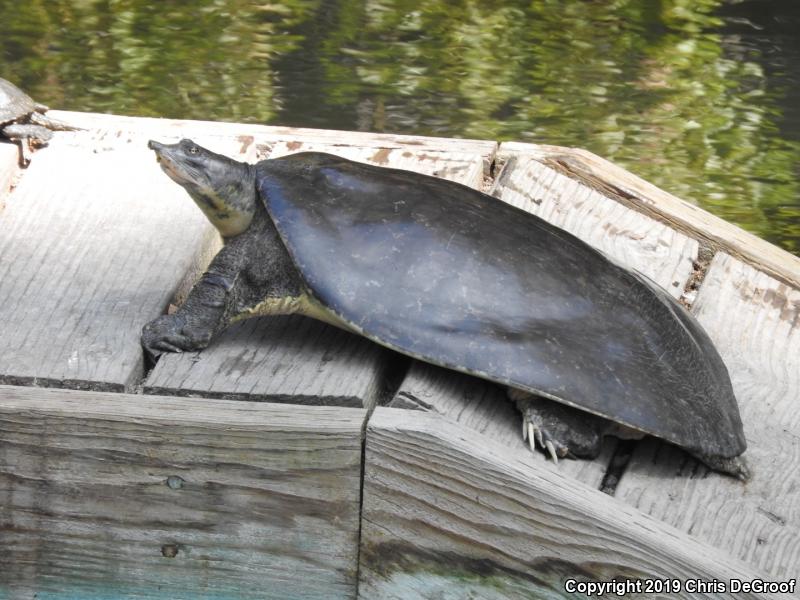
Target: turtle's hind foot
[559, 430]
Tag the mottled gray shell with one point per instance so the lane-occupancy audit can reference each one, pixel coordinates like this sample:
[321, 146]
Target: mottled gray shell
[14, 103]
[454, 277]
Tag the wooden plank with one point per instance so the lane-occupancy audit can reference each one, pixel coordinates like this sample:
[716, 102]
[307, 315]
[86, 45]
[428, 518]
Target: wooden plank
[9, 169]
[447, 515]
[483, 407]
[680, 215]
[464, 167]
[296, 359]
[637, 241]
[754, 321]
[117, 496]
[278, 359]
[96, 241]
[266, 135]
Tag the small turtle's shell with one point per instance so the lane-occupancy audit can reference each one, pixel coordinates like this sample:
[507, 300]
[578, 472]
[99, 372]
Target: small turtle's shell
[14, 103]
[444, 273]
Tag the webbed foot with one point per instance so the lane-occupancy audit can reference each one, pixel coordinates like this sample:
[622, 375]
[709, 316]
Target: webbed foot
[558, 429]
[173, 333]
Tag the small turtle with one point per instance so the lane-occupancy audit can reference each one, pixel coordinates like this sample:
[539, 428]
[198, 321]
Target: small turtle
[448, 275]
[23, 120]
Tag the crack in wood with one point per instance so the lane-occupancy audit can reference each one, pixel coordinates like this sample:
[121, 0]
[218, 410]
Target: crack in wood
[501, 165]
[496, 166]
[700, 266]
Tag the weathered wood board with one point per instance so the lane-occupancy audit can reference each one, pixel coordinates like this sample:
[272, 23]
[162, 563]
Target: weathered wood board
[95, 242]
[296, 359]
[634, 239]
[754, 321]
[116, 496]
[678, 214]
[278, 359]
[447, 514]
[263, 137]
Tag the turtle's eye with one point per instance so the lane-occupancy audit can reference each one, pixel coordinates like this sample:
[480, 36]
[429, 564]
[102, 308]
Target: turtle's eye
[194, 150]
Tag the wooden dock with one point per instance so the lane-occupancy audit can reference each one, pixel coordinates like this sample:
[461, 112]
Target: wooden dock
[294, 460]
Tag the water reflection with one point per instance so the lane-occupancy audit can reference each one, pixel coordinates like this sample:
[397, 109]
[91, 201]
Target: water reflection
[698, 96]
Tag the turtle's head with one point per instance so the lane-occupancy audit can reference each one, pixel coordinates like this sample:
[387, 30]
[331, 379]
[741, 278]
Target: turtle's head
[223, 188]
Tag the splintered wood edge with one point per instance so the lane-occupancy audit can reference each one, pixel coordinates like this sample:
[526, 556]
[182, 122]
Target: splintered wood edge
[397, 438]
[181, 411]
[631, 190]
[9, 168]
[268, 133]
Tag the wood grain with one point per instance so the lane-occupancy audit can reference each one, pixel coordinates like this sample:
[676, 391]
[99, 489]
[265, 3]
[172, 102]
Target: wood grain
[754, 321]
[447, 514]
[278, 359]
[637, 241]
[676, 213]
[117, 496]
[96, 241]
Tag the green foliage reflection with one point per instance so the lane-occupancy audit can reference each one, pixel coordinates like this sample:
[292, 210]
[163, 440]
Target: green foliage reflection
[655, 85]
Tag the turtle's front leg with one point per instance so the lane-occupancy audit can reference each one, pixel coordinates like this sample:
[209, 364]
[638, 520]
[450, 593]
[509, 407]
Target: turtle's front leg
[194, 324]
[208, 308]
[251, 268]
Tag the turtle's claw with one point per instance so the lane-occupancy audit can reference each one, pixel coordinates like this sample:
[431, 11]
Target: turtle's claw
[539, 437]
[557, 438]
[552, 450]
[165, 346]
[533, 434]
[157, 348]
[170, 333]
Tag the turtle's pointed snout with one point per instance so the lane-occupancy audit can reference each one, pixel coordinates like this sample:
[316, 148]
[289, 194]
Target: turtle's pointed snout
[154, 145]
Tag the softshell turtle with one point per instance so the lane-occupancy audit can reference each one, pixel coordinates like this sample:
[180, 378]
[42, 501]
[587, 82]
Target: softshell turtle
[23, 120]
[451, 276]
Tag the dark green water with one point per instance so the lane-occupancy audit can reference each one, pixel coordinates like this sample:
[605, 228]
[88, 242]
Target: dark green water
[701, 97]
